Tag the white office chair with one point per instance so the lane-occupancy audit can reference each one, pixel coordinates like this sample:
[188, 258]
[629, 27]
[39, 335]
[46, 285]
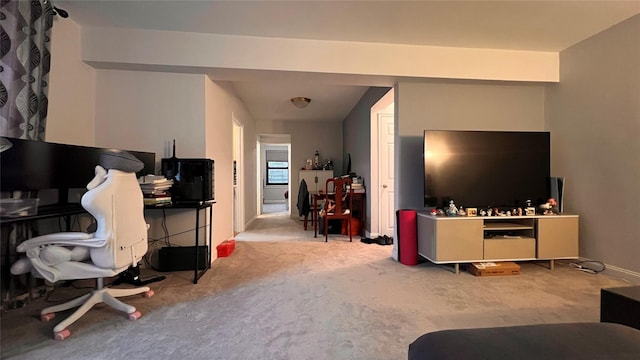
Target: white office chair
[120, 241]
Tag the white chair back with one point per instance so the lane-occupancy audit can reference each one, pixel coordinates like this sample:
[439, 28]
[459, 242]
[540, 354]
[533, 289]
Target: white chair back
[118, 208]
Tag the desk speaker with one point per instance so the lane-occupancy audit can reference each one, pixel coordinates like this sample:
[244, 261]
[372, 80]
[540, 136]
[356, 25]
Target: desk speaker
[179, 258]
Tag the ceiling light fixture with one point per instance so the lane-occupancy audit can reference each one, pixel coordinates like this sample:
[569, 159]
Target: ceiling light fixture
[300, 102]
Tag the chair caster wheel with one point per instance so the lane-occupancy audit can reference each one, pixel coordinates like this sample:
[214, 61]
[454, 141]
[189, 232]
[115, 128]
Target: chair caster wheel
[47, 317]
[135, 315]
[61, 335]
[148, 294]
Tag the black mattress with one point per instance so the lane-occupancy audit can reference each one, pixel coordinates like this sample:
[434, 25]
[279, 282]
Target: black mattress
[546, 341]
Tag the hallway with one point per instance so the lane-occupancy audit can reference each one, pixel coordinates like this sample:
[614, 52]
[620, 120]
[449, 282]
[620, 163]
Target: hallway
[276, 225]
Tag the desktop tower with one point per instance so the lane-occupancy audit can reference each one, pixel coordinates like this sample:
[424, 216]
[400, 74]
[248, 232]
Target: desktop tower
[193, 179]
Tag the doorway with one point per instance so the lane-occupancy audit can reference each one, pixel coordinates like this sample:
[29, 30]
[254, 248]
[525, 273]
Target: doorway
[274, 159]
[382, 194]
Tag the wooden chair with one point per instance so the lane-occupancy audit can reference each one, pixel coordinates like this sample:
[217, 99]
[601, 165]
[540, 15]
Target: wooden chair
[338, 206]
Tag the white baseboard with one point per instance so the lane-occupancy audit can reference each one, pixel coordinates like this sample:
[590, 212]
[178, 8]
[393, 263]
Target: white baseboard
[627, 275]
[246, 226]
[619, 273]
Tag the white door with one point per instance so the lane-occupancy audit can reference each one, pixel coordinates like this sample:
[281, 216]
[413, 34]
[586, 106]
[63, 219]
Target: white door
[385, 173]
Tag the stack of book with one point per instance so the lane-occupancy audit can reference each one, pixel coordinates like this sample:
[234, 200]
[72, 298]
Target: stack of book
[358, 188]
[155, 189]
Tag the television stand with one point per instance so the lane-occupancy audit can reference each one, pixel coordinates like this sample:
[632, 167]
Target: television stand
[466, 239]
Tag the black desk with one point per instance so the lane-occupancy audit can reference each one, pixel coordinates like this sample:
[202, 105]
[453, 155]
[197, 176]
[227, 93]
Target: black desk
[205, 205]
[44, 212]
[47, 212]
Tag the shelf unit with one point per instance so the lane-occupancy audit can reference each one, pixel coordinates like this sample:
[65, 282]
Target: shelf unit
[466, 239]
[509, 239]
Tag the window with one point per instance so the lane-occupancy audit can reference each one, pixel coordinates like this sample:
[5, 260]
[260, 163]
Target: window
[277, 173]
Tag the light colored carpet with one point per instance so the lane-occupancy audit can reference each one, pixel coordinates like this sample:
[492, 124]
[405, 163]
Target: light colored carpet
[274, 208]
[306, 299]
[279, 227]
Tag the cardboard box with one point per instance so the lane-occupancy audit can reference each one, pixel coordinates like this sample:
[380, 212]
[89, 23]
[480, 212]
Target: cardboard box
[494, 268]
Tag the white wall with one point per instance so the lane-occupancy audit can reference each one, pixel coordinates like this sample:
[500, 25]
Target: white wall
[172, 48]
[71, 88]
[145, 111]
[594, 119]
[221, 107]
[455, 106]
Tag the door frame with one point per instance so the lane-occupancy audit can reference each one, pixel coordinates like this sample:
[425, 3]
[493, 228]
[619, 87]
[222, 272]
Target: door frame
[238, 174]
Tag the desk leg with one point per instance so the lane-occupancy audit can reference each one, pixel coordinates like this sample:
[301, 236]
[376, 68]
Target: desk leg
[208, 265]
[195, 267]
[207, 241]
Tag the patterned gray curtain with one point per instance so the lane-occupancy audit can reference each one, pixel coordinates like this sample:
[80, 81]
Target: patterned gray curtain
[25, 33]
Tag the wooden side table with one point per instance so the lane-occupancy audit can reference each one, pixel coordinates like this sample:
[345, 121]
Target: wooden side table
[621, 305]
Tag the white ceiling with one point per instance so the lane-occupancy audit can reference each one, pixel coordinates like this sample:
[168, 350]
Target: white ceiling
[518, 25]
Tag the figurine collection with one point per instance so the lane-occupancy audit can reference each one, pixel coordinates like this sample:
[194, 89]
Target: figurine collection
[548, 208]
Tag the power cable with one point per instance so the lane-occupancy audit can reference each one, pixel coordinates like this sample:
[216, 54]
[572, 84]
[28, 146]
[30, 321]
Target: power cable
[588, 266]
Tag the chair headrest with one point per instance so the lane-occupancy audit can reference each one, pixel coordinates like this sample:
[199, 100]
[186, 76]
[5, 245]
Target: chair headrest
[120, 160]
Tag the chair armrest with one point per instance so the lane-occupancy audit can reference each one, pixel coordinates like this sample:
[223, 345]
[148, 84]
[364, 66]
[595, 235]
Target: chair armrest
[64, 239]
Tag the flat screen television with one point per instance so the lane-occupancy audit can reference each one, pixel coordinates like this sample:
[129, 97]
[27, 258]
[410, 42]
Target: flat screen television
[482, 169]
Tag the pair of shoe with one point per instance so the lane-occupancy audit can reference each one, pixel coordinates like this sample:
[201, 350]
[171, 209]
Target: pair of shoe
[384, 240]
[380, 240]
[366, 240]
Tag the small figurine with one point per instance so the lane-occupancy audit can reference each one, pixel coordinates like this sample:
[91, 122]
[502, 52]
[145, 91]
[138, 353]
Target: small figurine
[550, 207]
[452, 210]
[519, 211]
[483, 213]
[461, 211]
[489, 212]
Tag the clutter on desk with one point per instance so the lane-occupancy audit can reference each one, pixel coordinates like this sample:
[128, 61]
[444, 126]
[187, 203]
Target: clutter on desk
[155, 189]
[18, 207]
